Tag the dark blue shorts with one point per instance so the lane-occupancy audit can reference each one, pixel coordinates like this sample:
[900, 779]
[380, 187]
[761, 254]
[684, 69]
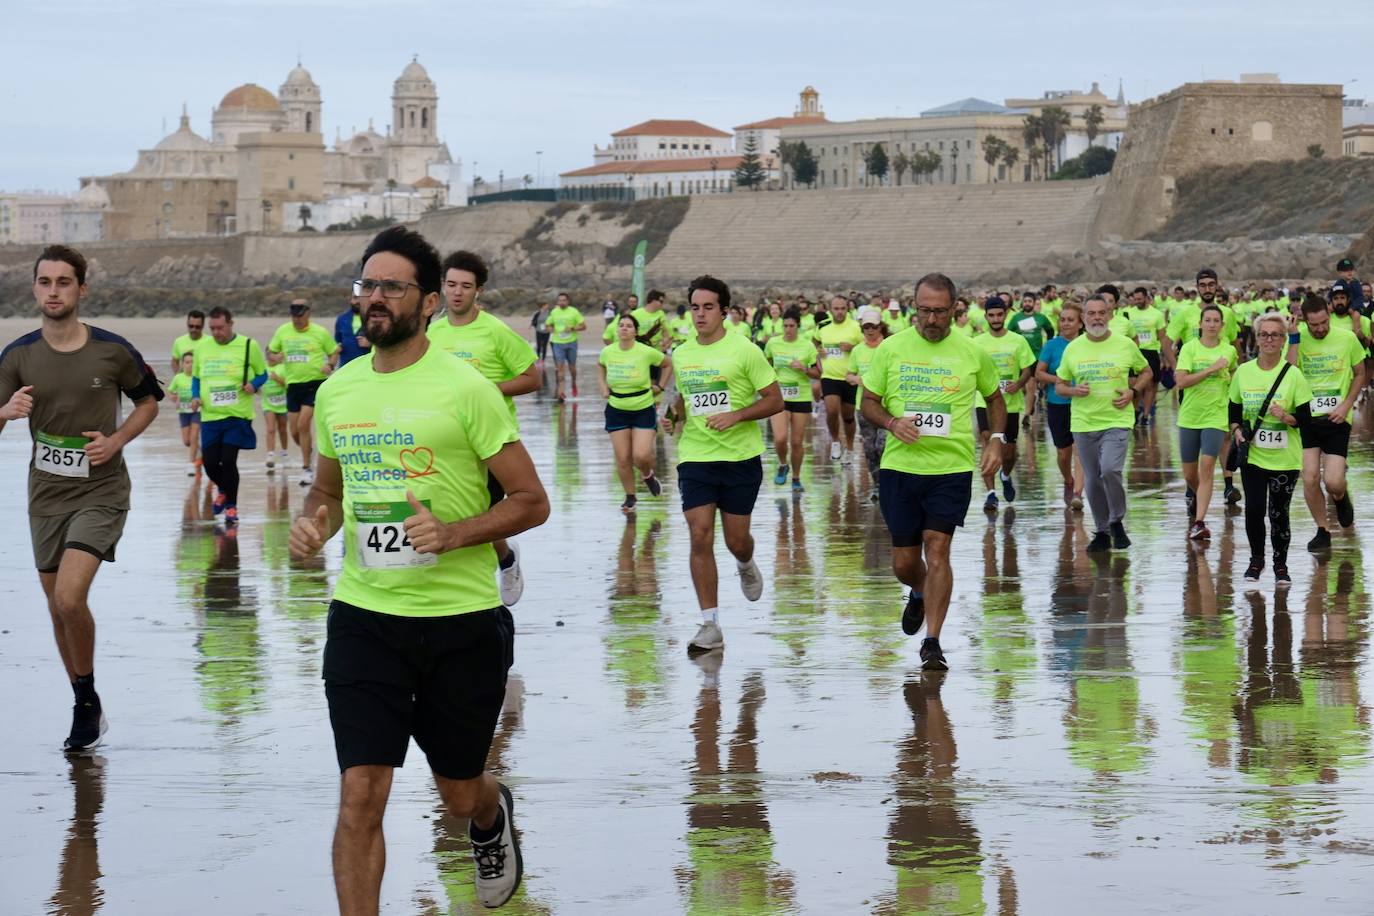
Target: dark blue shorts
[186, 419]
[234, 431]
[1059, 417]
[301, 394]
[732, 485]
[617, 419]
[913, 503]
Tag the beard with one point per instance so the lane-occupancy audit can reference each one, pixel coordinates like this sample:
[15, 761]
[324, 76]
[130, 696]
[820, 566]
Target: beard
[392, 332]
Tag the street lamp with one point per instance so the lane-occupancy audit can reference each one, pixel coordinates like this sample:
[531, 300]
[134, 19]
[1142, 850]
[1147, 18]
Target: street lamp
[954, 178]
[713, 175]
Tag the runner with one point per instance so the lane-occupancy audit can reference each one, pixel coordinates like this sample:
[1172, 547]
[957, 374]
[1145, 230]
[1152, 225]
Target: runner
[67, 378]
[682, 327]
[653, 328]
[626, 368]
[309, 353]
[189, 418]
[1345, 269]
[540, 322]
[1183, 327]
[1035, 328]
[1205, 367]
[1058, 409]
[348, 334]
[834, 340]
[724, 385]
[1332, 362]
[566, 321]
[1269, 399]
[229, 369]
[1093, 370]
[1147, 325]
[195, 330]
[502, 356]
[795, 361]
[274, 415]
[418, 644]
[920, 388]
[1015, 364]
[874, 438]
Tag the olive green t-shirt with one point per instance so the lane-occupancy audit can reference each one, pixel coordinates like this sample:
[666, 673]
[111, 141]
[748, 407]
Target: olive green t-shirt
[429, 428]
[74, 393]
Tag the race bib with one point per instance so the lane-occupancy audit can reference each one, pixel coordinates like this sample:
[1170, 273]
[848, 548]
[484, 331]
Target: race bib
[930, 419]
[708, 401]
[381, 540]
[1004, 384]
[64, 456]
[791, 392]
[1026, 324]
[224, 397]
[1324, 402]
[276, 400]
[298, 357]
[833, 353]
[1144, 337]
[1271, 438]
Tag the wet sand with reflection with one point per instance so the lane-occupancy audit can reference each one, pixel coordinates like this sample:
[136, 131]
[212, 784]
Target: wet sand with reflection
[1136, 733]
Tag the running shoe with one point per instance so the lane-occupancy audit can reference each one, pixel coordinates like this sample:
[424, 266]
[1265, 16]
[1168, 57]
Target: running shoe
[499, 865]
[219, 505]
[628, 505]
[932, 658]
[653, 486]
[1101, 543]
[846, 457]
[990, 504]
[914, 614]
[512, 580]
[231, 515]
[271, 463]
[835, 449]
[88, 727]
[797, 486]
[751, 581]
[780, 477]
[708, 637]
[1281, 577]
[1232, 495]
[1119, 539]
[307, 477]
[1320, 541]
[1199, 532]
[191, 469]
[1252, 572]
[875, 495]
[1008, 489]
[1345, 511]
[1077, 504]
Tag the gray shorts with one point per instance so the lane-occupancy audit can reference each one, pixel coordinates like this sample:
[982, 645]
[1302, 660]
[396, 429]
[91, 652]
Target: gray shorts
[1193, 441]
[95, 529]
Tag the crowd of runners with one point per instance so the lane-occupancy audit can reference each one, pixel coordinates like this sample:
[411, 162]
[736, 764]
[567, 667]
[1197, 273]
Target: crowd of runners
[403, 430]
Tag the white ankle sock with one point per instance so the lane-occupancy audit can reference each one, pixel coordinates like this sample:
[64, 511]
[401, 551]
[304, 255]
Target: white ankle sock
[710, 615]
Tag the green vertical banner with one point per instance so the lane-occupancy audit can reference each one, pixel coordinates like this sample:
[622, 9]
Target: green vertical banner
[637, 278]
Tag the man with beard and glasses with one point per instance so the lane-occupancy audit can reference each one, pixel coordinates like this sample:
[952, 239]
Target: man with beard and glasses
[1095, 372]
[67, 378]
[418, 643]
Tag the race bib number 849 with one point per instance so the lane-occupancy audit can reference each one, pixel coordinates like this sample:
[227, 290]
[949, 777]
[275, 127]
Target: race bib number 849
[380, 538]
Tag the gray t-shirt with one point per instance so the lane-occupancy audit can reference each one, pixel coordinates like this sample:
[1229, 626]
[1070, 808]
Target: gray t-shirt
[74, 393]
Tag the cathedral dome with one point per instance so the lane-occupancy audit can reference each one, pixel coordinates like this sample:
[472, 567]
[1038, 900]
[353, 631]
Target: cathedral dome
[183, 139]
[414, 72]
[250, 97]
[299, 76]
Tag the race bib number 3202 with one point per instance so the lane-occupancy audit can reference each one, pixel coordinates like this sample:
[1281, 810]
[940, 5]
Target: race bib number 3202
[381, 541]
[64, 456]
[713, 399]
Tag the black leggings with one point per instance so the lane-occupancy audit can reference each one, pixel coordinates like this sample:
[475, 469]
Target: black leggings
[221, 463]
[1268, 493]
[541, 344]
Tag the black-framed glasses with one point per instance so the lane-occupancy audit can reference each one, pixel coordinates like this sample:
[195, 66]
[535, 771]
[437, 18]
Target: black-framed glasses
[391, 289]
[934, 313]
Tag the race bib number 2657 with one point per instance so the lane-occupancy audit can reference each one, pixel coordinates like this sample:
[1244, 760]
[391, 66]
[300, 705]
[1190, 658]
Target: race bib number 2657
[64, 456]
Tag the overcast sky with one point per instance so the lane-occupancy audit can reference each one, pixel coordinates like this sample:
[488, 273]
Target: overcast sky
[87, 84]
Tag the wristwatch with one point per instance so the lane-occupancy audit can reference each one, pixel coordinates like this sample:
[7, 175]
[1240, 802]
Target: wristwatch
[1000, 437]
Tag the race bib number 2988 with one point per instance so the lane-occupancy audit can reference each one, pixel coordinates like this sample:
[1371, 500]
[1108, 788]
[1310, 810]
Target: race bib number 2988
[380, 537]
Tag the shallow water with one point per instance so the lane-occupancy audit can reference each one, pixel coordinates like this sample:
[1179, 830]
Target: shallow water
[1136, 733]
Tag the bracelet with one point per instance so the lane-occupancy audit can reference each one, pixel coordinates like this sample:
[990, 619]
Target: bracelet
[1294, 338]
[890, 422]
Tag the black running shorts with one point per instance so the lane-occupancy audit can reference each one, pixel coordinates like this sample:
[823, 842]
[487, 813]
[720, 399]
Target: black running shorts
[914, 503]
[732, 485]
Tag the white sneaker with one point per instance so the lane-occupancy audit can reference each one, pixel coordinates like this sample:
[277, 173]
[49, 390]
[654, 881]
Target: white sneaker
[708, 637]
[835, 449]
[512, 581]
[751, 581]
[499, 866]
[307, 477]
[270, 462]
[847, 457]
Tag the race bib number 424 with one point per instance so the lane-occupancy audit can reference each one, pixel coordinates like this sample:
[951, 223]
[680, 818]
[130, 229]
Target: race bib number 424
[381, 541]
[64, 456]
[708, 401]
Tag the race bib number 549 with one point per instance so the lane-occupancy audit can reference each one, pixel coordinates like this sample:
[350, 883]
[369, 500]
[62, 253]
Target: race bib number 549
[381, 540]
[64, 456]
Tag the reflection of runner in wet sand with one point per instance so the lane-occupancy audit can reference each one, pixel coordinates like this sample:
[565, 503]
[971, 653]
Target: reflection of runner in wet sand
[67, 379]
[633, 642]
[724, 385]
[729, 838]
[418, 643]
[78, 878]
[931, 840]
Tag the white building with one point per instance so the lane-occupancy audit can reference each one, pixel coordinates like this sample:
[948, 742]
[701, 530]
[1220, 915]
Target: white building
[767, 134]
[29, 217]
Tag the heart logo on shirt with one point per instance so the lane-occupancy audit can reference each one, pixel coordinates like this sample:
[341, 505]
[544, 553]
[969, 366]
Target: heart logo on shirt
[418, 461]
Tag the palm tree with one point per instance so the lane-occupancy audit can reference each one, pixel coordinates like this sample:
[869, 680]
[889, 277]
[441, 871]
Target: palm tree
[1092, 122]
[1036, 157]
[1010, 156]
[1054, 123]
[992, 151]
[1032, 129]
[900, 164]
[304, 214]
